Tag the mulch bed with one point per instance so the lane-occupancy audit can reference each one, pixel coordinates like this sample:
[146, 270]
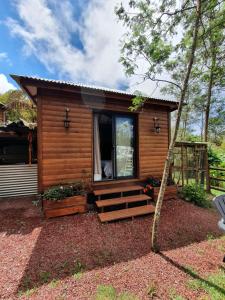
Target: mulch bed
[34, 251]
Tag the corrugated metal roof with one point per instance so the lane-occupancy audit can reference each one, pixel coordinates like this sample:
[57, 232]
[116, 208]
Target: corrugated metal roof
[85, 86]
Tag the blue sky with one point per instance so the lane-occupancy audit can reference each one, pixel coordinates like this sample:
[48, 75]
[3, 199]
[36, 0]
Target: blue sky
[75, 40]
[15, 62]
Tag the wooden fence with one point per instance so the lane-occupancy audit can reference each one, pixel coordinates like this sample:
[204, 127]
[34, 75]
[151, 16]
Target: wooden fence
[190, 163]
[217, 183]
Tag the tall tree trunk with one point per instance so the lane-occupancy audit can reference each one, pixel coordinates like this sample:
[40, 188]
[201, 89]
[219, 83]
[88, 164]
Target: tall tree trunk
[207, 110]
[202, 125]
[207, 107]
[155, 246]
[208, 103]
[209, 92]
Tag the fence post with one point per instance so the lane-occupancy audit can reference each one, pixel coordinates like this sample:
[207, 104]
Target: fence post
[207, 175]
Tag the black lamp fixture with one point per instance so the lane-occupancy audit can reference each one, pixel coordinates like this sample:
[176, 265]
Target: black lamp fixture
[66, 120]
[157, 127]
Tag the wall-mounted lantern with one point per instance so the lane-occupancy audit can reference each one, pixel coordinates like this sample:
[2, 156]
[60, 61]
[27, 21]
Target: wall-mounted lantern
[66, 120]
[157, 127]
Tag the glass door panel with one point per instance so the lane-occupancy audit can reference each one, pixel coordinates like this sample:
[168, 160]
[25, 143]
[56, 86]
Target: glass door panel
[124, 146]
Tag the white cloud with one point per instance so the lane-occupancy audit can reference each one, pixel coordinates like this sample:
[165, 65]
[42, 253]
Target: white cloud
[4, 57]
[48, 28]
[5, 85]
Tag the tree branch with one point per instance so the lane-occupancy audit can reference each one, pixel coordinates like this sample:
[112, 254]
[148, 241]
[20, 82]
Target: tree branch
[165, 81]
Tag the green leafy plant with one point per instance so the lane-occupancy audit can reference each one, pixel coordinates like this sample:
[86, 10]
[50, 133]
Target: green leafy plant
[151, 290]
[153, 181]
[54, 283]
[45, 276]
[60, 192]
[156, 182]
[78, 267]
[148, 190]
[213, 157]
[210, 236]
[28, 293]
[195, 194]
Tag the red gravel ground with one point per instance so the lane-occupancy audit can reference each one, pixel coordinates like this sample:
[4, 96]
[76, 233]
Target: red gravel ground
[34, 251]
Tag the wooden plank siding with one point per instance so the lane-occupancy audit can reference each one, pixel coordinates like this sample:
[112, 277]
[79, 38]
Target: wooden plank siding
[65, 155]
[152, 146]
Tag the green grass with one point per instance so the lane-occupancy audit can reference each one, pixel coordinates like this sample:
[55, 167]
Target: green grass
[190, 270]
[213, 285]
[210, 237]
[27, 293]
[78, 275]
[216, 193]
[174, 296]
[54, 283]
[105, 292]
[108, 292]
[44, 276]
[151, 290]
[77, 270]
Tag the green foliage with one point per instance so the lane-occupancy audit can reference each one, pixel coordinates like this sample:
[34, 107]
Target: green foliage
[27, 293]
[149, 37]
[210, 236]
[195, 193]
[216, 193]
[78, 268]
[153, 181]
[152, 290]
[217, 125]
[137, 102]
[54, 283]
[45, 276]
[18, 106]
[60, 192]
[156, 182]
[217, 159]
[213, 157]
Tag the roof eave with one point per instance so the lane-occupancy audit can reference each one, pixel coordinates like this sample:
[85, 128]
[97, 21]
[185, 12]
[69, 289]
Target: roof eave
[23, 87]
[24, 81]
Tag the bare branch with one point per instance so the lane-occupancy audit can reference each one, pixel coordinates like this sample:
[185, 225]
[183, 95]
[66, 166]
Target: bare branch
[165, 81]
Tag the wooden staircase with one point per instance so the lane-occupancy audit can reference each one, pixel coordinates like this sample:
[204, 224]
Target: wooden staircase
[140, 203]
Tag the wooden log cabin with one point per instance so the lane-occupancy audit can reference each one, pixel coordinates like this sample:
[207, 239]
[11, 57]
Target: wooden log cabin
[90, 132]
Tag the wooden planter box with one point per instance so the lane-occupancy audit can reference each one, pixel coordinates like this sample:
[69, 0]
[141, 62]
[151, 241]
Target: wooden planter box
[68, 206]
[170, 193]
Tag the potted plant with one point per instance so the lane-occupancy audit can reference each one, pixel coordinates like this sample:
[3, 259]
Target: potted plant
[171, 188]
[62, 200]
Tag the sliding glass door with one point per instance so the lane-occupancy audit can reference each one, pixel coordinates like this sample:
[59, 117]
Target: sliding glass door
[124, 146]
[114, 146]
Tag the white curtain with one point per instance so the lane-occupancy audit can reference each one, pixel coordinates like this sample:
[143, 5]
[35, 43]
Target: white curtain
[97, 152]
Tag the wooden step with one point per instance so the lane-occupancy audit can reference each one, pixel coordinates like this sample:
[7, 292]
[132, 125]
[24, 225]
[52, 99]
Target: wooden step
[121, 200]
[118, 190]
[126, 213]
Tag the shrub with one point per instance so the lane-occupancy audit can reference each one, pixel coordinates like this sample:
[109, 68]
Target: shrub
[152, 181]
[148, 190]
[213, 157]
[60, 192]
[195, 194]
[156, 182]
